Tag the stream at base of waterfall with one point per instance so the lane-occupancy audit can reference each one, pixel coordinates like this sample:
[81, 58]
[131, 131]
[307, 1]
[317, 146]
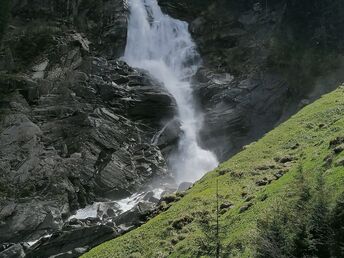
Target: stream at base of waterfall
[163, 46]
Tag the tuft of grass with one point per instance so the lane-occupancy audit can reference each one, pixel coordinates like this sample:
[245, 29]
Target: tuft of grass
[302, 141]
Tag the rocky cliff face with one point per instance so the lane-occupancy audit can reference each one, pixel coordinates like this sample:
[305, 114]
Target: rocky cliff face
[76, 123]
[263, 61]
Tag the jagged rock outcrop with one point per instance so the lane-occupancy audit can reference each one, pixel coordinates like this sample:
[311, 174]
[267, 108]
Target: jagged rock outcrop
[76, 122]
[72, 243]
[104, 22]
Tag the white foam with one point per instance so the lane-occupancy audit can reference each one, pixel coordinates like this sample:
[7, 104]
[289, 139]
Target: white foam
[163, 46]
[31, 243]
[89, 211]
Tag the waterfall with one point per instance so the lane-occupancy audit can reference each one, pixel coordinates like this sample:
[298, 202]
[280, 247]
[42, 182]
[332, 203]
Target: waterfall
[163, 46]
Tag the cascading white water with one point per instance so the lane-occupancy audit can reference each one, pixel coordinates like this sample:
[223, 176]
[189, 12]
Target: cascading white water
[163, 46]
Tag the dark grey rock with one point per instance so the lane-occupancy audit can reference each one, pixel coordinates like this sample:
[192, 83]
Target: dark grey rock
[68, 254]
[167, 138]
[15, 251]
[249, 198]
[226, 206]
[285, 159]
[184, 187]
[80, 250]
[63, 242]
[262, 182]
[76, 123]
[339, 149]
[139, 214]
[245, 207]
[28, 219]
[148, 196]
[340, 162]
[247, 84]
[130, 218]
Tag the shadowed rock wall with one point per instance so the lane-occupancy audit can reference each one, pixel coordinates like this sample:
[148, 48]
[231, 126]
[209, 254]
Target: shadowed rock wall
[263, 60]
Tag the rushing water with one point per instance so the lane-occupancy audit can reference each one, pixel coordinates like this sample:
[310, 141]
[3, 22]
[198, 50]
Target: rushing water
[120, 206]
[163, 46]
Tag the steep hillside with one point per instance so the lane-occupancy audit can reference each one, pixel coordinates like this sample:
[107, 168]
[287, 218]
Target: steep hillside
[280, 196]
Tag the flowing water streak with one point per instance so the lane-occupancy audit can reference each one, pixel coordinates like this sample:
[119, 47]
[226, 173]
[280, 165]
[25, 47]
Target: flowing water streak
[163, 46]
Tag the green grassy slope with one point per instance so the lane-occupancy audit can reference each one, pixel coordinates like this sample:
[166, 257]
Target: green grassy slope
[253, 181]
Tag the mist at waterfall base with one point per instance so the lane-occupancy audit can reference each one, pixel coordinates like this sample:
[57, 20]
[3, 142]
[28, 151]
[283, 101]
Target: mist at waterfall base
[163, 46]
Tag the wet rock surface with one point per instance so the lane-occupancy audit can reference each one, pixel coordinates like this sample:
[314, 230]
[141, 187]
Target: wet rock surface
[73, 146]
[12, 251]
[73, 242]
[76, 124]
[78, 235]
[263, 60]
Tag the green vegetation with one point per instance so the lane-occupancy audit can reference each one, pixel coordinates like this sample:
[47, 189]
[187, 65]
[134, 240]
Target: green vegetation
[302, 228]
[281, 196]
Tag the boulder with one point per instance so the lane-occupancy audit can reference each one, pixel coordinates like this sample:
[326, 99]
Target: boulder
[14, 251]
[167, 137]
[340, 162]
[135, 216]
[75, 240]
[28, 220]
[226, 206]
[184, 187]
[245, 207]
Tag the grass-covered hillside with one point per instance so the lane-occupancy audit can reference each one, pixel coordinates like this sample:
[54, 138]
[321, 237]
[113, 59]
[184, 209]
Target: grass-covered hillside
[282, 196]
